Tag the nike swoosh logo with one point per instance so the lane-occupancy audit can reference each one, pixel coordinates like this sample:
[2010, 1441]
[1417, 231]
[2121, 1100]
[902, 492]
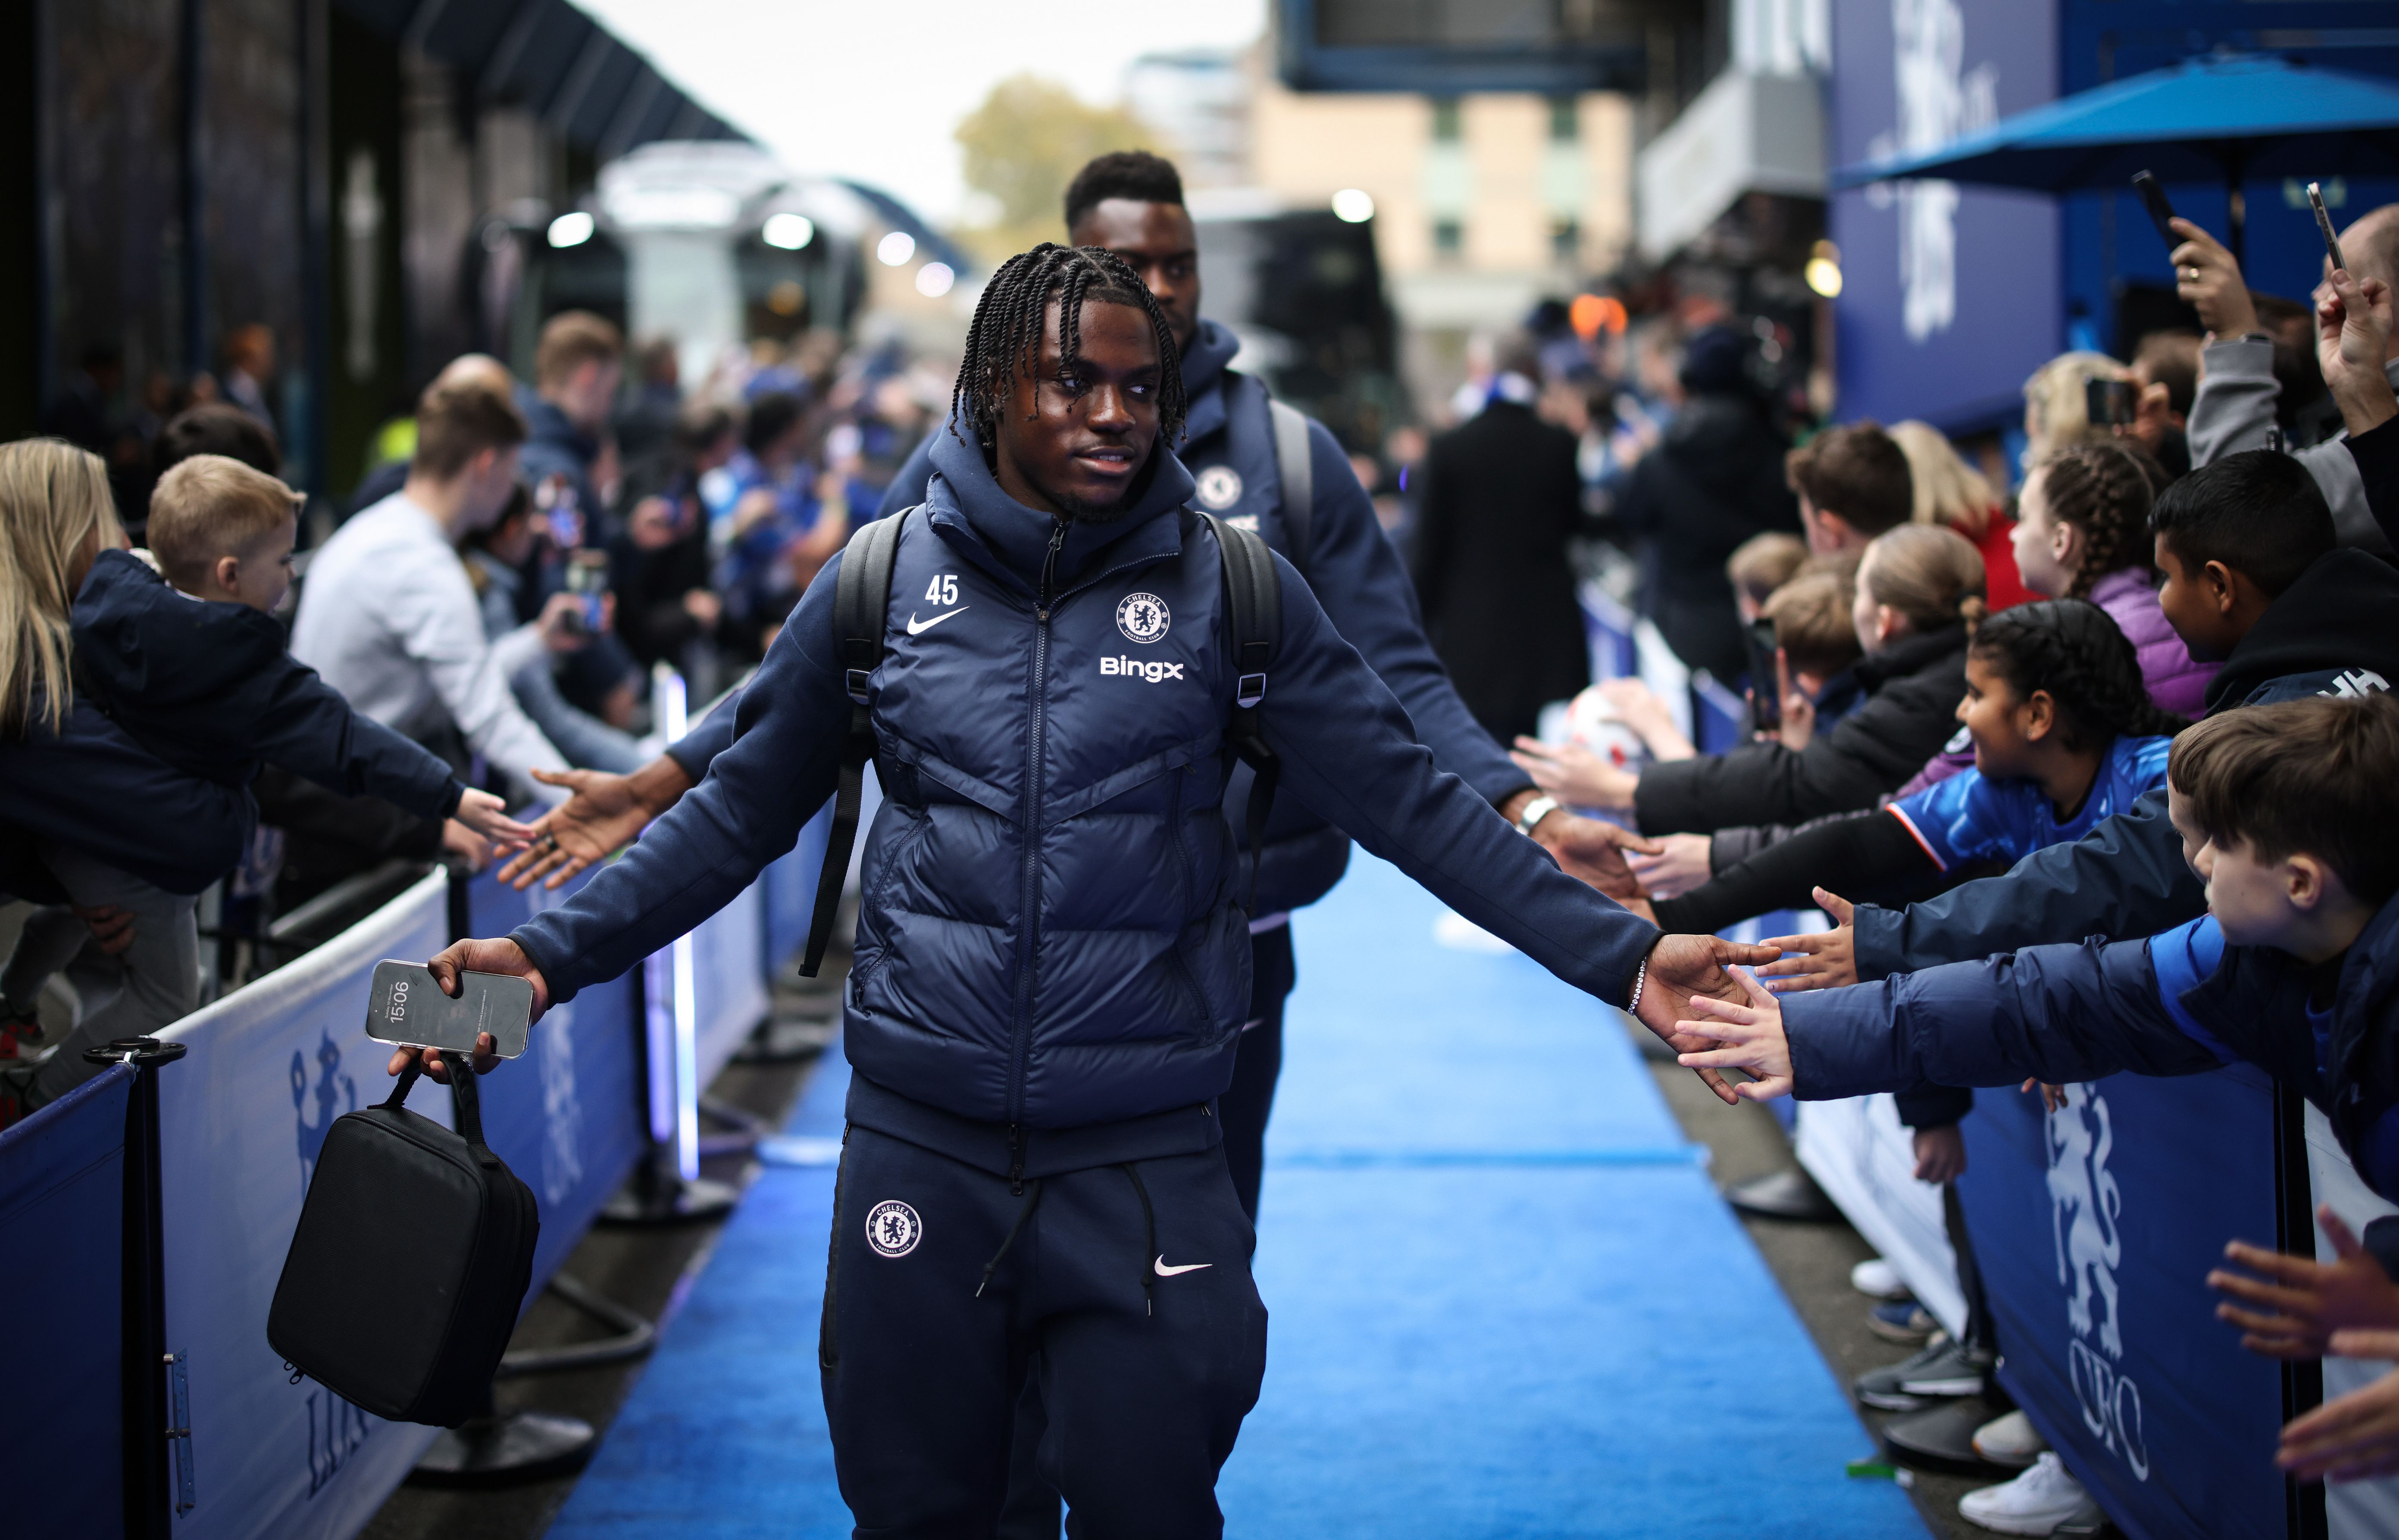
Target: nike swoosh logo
[917, 628]
[1166, 1271]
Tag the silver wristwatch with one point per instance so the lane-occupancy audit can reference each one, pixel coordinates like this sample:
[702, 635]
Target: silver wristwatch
[1534, 811]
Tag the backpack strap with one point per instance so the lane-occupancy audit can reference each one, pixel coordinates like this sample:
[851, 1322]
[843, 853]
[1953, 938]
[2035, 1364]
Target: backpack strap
[1254, 615]
[1292, 461]
[862, 606]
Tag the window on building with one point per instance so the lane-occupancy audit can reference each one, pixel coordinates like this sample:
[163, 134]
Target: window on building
[1565, 240]
[1566, 119]
[1448, 237]
[1444, 120]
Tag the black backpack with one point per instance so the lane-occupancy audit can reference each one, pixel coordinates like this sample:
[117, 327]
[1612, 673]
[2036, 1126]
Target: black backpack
[862, 605]
[410, 1263]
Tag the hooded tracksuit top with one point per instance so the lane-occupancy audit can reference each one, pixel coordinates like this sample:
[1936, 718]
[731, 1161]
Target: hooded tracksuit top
[1051, 967]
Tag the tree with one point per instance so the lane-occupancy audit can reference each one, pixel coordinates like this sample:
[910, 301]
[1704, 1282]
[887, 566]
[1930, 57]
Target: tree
[1022, 147]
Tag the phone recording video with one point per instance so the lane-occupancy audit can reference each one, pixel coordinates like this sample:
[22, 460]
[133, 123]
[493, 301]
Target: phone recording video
[2109, 403]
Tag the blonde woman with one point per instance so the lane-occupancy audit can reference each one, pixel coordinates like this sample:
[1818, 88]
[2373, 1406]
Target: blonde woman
[95, 826]
[1953, 493]
[2057, 412]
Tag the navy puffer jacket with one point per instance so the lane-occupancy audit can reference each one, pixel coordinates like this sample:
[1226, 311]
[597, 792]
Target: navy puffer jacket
[1049, 937]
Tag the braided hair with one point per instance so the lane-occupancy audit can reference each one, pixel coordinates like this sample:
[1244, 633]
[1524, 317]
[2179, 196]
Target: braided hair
[2073, 649]
[2105, 492]
[1004, 342]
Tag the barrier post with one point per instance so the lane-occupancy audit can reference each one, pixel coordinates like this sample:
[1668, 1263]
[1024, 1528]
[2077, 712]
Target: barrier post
[2295, 1232]
[156, 1426]
[667, 1188]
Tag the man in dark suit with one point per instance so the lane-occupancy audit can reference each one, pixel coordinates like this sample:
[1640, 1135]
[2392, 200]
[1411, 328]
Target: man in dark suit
[1500, 498]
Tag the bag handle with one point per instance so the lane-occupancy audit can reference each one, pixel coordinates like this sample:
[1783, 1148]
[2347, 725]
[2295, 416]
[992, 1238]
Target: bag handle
[466, 1100]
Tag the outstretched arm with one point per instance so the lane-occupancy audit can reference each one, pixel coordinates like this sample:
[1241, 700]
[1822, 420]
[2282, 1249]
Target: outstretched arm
[1347, 753]
[2060, 1013]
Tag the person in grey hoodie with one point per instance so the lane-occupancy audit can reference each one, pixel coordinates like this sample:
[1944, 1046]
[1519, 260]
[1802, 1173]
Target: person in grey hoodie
[2235, 407]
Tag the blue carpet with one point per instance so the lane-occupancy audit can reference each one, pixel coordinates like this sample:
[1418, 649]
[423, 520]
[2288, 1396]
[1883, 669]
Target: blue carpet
[1506, 1301]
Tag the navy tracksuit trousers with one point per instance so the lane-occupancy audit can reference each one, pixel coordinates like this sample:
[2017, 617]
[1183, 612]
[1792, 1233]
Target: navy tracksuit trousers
[1033, 1505]
[1124, 1290]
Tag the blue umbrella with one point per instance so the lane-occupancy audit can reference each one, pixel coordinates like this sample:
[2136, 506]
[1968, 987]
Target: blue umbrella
[2225, 116]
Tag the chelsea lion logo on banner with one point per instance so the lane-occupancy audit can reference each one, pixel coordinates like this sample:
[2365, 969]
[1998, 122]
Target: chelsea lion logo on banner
[1142, 617]
[893, 1228]
[1219, 488]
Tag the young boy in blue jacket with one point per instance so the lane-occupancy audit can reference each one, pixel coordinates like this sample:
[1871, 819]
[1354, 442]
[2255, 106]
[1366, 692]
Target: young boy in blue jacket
[1052, 964]
[2284, 813]
[188, 658]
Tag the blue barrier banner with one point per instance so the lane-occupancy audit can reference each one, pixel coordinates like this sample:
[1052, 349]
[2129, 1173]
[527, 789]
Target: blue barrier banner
[730, 988]
[2095, 1227]
[241, 1119]
[567, 1117]
[62, 1228]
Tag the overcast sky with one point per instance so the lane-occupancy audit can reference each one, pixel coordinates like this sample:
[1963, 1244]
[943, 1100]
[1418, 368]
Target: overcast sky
[870, 89]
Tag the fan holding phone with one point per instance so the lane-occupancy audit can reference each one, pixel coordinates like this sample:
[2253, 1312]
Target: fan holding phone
[2239, 398]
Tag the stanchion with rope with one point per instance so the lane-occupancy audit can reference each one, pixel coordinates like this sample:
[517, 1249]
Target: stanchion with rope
[157, 1425]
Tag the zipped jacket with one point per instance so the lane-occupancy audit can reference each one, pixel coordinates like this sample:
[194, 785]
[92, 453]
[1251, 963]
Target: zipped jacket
[1049, 939]
[2328, 633]
[1355, 573]
[2178, 1002]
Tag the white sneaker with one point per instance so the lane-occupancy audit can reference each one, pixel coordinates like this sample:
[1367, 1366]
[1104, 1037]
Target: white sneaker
[2009, 1442]
[2035, 1503]
[1877, 1279]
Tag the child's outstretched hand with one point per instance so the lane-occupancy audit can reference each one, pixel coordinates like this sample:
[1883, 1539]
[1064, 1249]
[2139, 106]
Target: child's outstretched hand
[1827, 959]
[2355, 1436]
[2307, 1300]
[1753, 1034]
[488, 816]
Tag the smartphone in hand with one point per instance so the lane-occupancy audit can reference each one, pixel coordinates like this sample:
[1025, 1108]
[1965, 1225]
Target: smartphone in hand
[2323, 228]
[2153, 198]
[406, 1007]
[2110, 403]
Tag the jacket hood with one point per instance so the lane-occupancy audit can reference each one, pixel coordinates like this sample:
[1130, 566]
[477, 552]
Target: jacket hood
[1212, 349]
[1910, 656]
[138, 638]
[1719, 441]
[2335, 616]
[965, 492]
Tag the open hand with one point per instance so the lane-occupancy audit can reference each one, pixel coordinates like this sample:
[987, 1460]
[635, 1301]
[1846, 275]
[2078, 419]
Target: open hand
[496, 956]
[1640, 710]
[1827, 959]
[1592, 850]
[2356, 1436]
[1573, 774]
[2308, 1300]
[1680, 865]
[488, 814]
[2353, 341]
[2207, 276]
[601, 818]
[1747, 1037]
[1687, 969]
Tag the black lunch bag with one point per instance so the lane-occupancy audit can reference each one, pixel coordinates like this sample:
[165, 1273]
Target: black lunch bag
[410, 1263]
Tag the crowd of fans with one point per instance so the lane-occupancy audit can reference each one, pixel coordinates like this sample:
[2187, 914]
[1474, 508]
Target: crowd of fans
[1972, 680]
